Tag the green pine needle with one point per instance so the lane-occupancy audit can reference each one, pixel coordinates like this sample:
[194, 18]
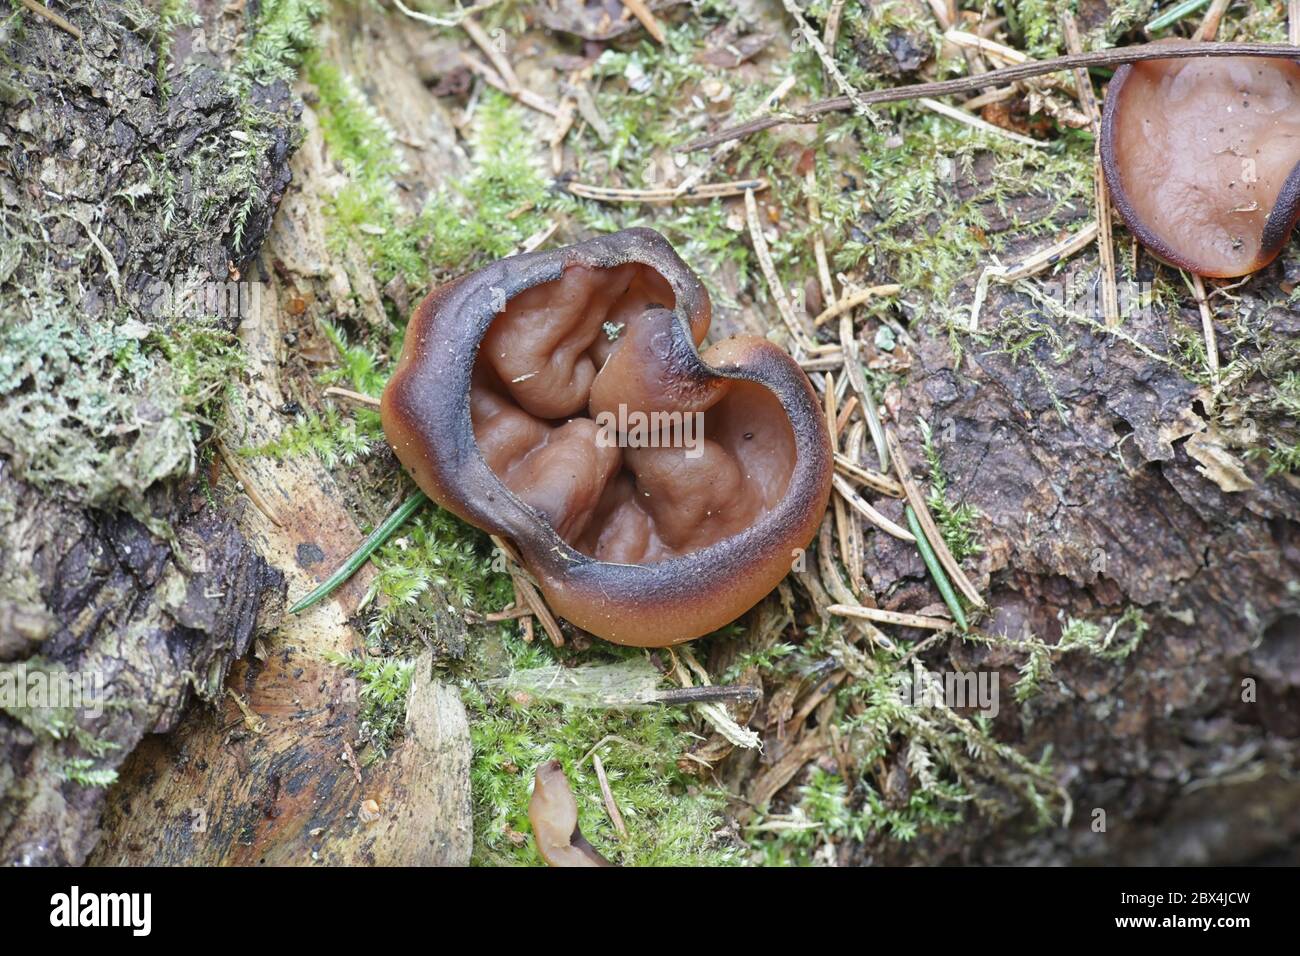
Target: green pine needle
[363, 553]
[936, 570]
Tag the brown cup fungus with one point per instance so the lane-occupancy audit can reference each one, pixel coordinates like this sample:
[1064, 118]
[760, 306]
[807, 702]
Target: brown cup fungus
[558, 399]
[1202, 158]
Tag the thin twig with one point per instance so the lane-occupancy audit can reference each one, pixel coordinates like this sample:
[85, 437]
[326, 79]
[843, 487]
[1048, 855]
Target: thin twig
[563, 124]
[769, 103]
[851, 302]
[535, 241]
[851, 94]
[452, 21]
[522, 94]
[814, 112]
[709, 694]
[1209, 27]
[493, 53]
[665, 195]
[845, 414]
[508, 614]
[41, 10]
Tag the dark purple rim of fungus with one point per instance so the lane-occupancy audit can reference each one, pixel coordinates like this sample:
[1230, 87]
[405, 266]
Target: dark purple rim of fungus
[426, 412]
[553, 813]
[1281, 219]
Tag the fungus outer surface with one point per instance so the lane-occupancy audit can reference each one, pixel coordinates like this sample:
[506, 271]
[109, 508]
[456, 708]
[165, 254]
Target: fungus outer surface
[1202, 157]
[559, 399]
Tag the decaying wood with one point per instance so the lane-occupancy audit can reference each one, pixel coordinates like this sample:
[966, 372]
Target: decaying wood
[146, 589]
[295, 793]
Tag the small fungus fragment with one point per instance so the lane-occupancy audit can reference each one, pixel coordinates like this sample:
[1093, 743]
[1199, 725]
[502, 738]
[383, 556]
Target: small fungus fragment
[553, 812]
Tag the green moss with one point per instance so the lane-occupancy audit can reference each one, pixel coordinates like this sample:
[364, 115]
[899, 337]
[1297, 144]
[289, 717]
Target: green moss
[503, 200]
[957, 523]
[103, 410]
[332, 435]
[385, 683]
[1113, 644]
[435, 553]
[278, 39]
[671, 819]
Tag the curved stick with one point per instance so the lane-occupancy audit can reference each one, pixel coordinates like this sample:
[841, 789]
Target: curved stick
[1008, 74]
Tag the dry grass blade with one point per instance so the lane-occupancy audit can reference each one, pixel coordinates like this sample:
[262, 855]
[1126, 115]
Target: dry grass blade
[1207, 329]
[1036, 263]
[932, 533]
[829, 588]
[858, 504]
[819, 240]
[666, 195]
[648, 20]
[246, 484]
[611, 807]
[858, 380]
[873, 480]
[764, 255]
[965, 118]
[43, 11]
[900, 618]
[1105, 228]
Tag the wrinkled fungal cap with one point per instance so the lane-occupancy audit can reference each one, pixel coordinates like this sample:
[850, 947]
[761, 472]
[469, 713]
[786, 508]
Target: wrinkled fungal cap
[552, 399]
